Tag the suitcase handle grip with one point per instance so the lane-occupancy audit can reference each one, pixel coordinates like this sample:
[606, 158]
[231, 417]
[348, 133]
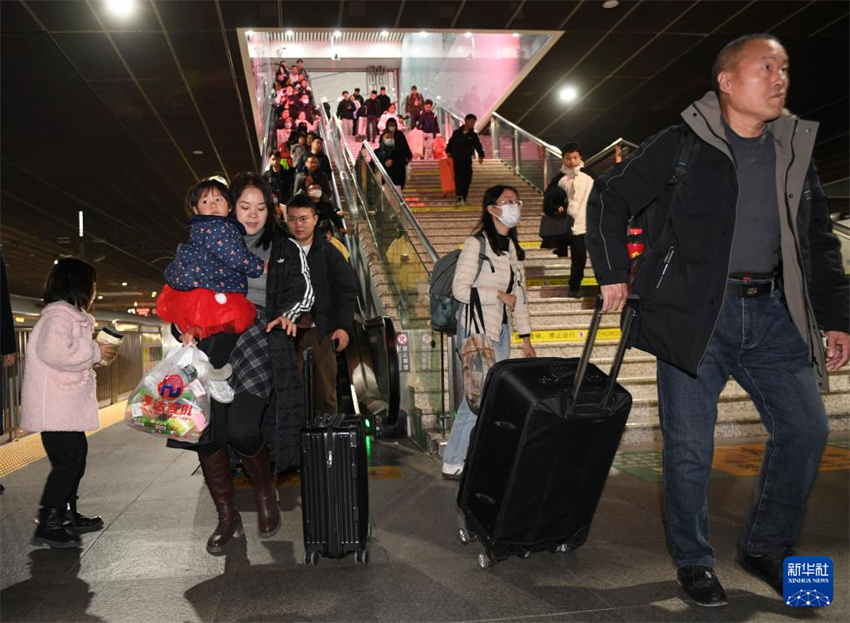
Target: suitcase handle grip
[308, 385]
[629, 313]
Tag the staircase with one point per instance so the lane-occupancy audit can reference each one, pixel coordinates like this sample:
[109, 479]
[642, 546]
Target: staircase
[556, 319]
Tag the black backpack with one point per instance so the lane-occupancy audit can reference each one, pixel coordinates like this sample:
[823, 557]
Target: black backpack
[444, 305]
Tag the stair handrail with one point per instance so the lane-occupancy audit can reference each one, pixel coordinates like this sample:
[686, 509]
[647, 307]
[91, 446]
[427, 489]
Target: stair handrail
[603, 153]
[547, 146]
[406, 211]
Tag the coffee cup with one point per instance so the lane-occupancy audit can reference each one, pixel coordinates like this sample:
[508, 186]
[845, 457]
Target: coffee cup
[111, 338]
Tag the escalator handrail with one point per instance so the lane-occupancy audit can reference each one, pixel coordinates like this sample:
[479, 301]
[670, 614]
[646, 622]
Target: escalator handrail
[550, 148]
[603, 153]
[408, 214]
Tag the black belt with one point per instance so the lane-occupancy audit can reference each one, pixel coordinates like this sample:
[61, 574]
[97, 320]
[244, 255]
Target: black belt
[750, 290]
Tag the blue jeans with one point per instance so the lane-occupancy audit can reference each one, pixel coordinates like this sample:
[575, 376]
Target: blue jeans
[465, 418]
[757, 344]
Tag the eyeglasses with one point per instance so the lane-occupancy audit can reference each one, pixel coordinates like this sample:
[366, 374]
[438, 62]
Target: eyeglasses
[303, 220]
[506, 202]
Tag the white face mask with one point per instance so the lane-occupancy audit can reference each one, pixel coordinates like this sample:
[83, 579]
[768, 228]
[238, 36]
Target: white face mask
[315, 194]
[389, 142]
[510, 215]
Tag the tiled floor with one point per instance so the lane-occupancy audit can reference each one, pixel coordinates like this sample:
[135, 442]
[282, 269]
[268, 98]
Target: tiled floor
[149, 564]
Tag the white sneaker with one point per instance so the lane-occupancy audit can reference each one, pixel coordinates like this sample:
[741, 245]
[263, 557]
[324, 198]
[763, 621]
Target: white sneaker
[452, 471]
[220, 374]
[221, 391]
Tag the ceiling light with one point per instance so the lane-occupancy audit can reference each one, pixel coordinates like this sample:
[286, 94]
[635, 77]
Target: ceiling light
[55, 262]
[289, 33]
[153, 294]
[135, 303]
[385, 33]
[423, 32]
[568, 94]
[248, 33]
[198, 152]
[516, 34]
[124, 283]
[99, 297]
[610, 4]
[337, 34]
[121, 8]
[468, 34]
[439, 98]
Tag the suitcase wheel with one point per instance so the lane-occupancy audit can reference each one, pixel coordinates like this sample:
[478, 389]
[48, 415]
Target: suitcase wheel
[466, 537]
[485, 561]
[311, 557]
[361, 556]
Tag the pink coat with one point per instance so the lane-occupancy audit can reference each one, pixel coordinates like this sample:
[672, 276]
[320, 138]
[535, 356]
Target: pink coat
[59, 382]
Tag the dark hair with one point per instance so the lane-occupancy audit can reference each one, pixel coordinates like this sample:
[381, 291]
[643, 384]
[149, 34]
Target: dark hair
[326, 226]
[311, 156]
[429, 103]
[249, 179]
[413, 87]
[357, 89]
[729, 56]
[345, 92]
[383, 88]
[202, 188]
[387, 132]
[300, 60]
[276, 153]
[301, 200]
[491, 195]
[71, 280]
[470, 116]
[373, 92]
[570, 147]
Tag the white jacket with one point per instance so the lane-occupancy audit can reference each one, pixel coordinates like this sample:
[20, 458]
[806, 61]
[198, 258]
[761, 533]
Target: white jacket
[382, 122]
[489, 283]
[577, 207]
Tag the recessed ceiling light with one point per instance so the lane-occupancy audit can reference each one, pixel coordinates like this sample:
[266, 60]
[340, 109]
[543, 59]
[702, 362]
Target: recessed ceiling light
[289, 33]
[198, 152]
[55, 262]
[337, 33]
[135, 303]
[610, 4]
[124, 283]
[439, 98]
[248, 33]
[385, 33]
[468, 34]
[423, 32]
[99, 297]
[121, 8]
[153, 294]
[516, 34]
[568, 94]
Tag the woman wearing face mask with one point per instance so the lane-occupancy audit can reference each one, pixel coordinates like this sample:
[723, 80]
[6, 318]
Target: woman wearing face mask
[392, 157]
[502, 291]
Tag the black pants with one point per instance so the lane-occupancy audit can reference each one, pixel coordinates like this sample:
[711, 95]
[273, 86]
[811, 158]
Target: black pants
[463, 176]
[67, 453]
[578, 259]
[371, 128]
[237, 422]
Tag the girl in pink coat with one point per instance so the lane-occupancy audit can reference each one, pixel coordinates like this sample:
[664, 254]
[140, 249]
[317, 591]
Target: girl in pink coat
[59, 398]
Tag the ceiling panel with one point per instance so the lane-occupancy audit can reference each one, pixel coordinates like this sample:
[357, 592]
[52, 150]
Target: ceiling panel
[14, 17]
[706, 16]
[486, 14]
[542, 14]
[318, 14]
[93, 55]
[202, 55]
[147, 55]
[143, 17]
[427, 14]
[658, 53]
[591, 16]
[363, 14]
[838, 29]
[656, 16]
[758, 17]
[60, 15]
[262, 14]
[188, 15]
[812, 18]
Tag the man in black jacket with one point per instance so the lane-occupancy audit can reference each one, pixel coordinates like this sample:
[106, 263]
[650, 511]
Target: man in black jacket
[373, 112]
[280, 177]
[741, 274]
[383, 101]
[345, 112]
[335, 292]
[462, 147]
[427, 122]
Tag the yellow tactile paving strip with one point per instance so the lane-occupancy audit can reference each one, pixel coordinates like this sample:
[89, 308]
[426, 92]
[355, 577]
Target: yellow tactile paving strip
[21, 452]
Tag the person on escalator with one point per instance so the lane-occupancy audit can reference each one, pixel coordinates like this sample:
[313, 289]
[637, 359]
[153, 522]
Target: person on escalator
[324, 206]
[392, 157]
[400, 139]
[462, 146]
[317, 148]
[345, 111]
[312, 173]
[427, 122]
[373, 112]
[386, 116]
[327, 327]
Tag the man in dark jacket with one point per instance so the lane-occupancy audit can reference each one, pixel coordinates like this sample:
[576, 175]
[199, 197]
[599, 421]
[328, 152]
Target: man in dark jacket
[383, 101]
[427, 122]
[332, 316]
[280, 177]
[462, 146]
[741, 274]
[373, 113]
[413, 105]
[345, 112]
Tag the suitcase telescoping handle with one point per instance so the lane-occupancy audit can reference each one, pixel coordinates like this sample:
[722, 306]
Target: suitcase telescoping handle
[629, 313]
[308, 385]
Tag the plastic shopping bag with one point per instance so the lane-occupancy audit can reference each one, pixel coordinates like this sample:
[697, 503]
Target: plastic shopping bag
[172, 400]
[476, 354]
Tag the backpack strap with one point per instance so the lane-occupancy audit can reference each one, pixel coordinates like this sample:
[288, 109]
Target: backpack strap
[482, 256]
[688, 151]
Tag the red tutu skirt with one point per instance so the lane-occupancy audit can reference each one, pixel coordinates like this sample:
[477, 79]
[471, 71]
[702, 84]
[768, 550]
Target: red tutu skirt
[203, 312]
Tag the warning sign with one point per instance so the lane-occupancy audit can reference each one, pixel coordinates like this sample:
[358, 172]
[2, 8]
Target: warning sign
[567, 335]
[402, 342]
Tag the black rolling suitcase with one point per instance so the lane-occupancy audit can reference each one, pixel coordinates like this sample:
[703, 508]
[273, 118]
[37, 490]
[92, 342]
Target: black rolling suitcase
[541, 451]
[334, 482]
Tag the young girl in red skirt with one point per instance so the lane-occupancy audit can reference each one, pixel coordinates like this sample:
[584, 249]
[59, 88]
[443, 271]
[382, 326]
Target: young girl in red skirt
[207, 281]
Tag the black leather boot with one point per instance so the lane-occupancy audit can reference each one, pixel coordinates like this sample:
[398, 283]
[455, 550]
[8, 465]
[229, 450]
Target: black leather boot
[265, 493]
[50, 530]
[80, 524]
[216, 470]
